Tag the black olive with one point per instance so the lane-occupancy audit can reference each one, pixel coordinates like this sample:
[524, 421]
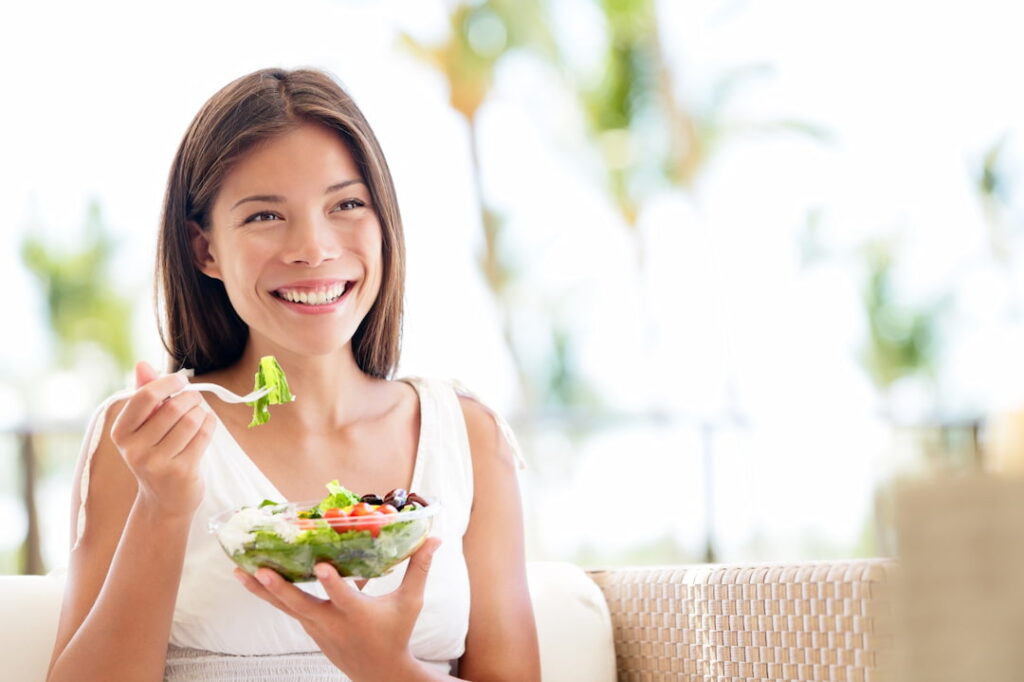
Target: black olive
[370, 498]
[413, 497]
[396, 498]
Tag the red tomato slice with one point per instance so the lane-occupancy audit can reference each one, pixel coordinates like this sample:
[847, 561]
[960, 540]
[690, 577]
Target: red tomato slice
[362, 509]
[371, 522]
[337, 519]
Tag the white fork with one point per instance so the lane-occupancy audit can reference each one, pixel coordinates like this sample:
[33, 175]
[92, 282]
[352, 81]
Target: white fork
[224, 394]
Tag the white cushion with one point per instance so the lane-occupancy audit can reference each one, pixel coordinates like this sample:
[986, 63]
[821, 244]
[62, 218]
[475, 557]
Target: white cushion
[574, 625]
[29, 609]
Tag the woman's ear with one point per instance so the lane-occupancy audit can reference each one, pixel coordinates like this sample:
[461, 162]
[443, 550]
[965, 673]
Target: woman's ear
[201, 251]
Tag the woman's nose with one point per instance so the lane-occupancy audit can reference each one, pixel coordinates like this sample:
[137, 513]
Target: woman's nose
[311, 241]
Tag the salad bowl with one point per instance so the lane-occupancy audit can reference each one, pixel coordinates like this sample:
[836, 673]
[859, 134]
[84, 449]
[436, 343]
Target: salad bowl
[361, 537]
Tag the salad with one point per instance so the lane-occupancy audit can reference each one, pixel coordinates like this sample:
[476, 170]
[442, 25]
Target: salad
[269, 375]
[362, 537]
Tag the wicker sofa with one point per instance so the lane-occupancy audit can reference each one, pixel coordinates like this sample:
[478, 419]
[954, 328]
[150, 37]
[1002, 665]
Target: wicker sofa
[808, 621]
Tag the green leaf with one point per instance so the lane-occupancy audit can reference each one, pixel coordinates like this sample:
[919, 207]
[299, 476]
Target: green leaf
[340, 496]
[269, 374]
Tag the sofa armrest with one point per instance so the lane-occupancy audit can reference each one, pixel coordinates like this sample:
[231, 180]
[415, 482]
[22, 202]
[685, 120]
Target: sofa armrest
[573, 625]
[29, 610]
[807, 621]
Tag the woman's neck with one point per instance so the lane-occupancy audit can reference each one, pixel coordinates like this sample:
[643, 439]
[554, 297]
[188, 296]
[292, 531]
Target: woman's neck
[331, 391]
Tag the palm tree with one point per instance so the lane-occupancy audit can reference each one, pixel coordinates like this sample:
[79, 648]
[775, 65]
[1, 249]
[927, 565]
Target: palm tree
[635, 117]
[481, 34]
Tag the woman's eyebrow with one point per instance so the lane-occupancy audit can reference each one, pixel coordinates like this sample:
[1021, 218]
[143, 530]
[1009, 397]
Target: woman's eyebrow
[342, 185]
[277, 198]
[272, 198]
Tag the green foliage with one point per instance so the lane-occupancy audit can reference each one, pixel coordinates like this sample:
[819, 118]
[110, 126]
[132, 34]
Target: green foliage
[565, 384]
[481, 34]
[83, 305]
[901, 339]
[991, 180]
[630, 65]
[644, 132]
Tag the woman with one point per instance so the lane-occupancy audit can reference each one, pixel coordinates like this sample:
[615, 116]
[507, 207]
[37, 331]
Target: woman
[281, 236]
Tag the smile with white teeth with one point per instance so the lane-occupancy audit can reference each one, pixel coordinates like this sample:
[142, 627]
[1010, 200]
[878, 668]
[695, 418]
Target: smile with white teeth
[315, 297]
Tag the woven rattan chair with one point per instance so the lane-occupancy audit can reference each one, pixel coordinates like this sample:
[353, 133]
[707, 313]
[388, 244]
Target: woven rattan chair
[810, 621]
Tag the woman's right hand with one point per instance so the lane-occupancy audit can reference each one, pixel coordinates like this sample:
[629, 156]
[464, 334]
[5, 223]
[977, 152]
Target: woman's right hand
[162, 440]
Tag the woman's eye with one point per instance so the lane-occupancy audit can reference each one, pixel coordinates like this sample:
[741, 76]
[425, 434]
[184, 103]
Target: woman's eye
[264, 217]
[349, 204]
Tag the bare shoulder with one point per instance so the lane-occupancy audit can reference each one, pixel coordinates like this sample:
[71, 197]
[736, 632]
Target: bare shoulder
[486, 441]
[110, 489]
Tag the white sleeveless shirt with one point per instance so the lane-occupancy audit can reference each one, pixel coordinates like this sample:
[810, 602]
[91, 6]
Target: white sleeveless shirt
[214, 615]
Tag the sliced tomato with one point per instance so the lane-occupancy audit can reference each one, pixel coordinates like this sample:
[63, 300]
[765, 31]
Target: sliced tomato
[362, 509]
[336, 518]
[371, 522]
[387, 509]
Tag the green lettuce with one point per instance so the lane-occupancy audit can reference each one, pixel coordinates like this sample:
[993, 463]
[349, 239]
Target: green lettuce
[340, 496]
[269, 375]
[353, 553]
[268, 549]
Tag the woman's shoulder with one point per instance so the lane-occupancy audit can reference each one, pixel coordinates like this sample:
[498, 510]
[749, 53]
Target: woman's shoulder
[102, 483]
[486, 428]
[448, 386]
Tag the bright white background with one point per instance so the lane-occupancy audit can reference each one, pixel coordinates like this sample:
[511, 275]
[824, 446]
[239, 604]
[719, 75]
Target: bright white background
[97, 95]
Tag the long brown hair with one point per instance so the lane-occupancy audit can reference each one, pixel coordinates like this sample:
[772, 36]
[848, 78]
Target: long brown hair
[200, 328]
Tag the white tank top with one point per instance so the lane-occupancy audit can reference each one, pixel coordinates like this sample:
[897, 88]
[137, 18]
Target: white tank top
[214, 613]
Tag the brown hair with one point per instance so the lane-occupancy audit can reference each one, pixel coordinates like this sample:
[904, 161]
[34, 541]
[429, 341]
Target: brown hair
[200, 328]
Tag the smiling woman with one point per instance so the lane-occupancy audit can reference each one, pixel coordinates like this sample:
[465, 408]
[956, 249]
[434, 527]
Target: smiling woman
[328, 228]
[243, 120]
[281, 237]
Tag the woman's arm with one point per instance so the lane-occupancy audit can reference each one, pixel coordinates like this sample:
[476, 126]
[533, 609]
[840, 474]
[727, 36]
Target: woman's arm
[124, 572]
[502, 640]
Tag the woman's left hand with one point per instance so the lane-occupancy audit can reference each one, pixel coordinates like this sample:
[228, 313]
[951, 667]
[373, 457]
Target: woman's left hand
[366, 637]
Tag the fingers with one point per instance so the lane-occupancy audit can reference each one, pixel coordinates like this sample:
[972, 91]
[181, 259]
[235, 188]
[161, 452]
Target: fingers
[148, 398]
[175, 423]
[195, 448]
[337, 588]
[169, 428]
[144, 373]
[162, 430]
[419, 567]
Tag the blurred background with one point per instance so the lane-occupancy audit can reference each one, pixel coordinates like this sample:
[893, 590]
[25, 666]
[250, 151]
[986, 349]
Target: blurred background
[730, 268]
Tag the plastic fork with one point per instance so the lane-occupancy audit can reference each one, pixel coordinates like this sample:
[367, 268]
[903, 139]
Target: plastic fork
[224, 394]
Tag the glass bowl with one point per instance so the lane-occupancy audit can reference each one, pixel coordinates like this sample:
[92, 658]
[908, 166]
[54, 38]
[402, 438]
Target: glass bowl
[275, 537]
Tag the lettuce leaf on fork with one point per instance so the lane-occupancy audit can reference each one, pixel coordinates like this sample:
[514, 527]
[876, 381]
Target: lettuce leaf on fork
[270, 375]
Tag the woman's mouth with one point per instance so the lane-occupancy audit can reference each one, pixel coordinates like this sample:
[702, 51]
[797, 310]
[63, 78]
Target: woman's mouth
[313, 297]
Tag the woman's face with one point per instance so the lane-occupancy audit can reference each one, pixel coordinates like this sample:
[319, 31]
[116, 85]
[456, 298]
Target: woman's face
[296, 241]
